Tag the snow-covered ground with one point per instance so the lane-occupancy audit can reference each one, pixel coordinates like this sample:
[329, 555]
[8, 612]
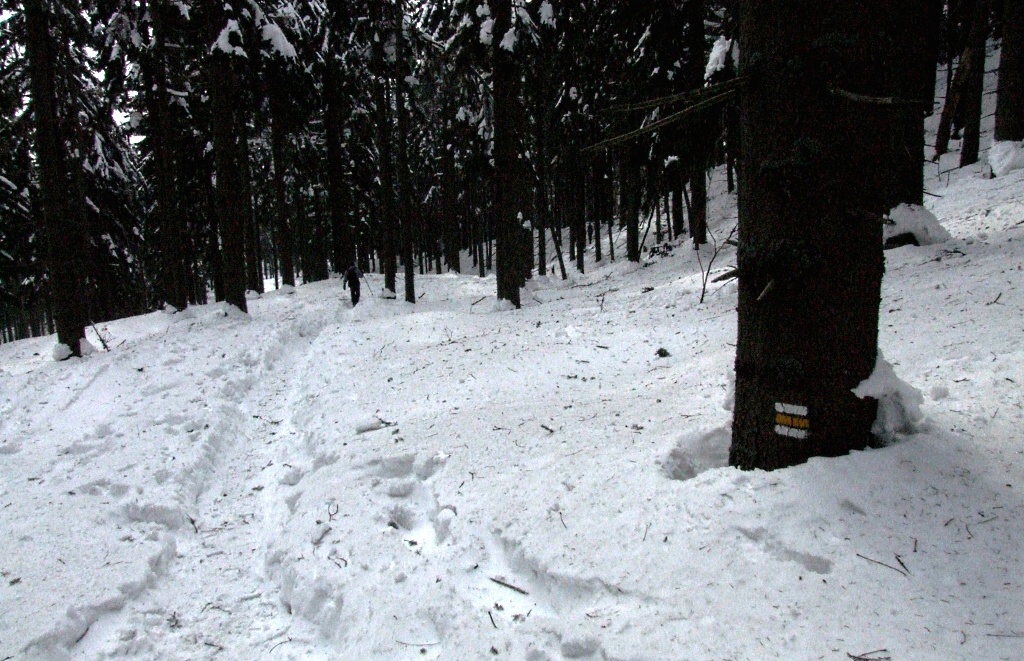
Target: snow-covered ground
[449, 481]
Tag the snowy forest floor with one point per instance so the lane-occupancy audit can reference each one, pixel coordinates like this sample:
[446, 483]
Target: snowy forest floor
[451, 481]
[448, 481]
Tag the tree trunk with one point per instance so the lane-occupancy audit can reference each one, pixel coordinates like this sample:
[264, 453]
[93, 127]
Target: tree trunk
[232, 189]
[678, 218]
[61, 202]
[253, 249]
[974, 87]
[700, 145]
[174, 272]
[811, 202]
[509, 212]
[404, 180]
[954, 98]
[576, 207]
[629, 194]
[342, 247]
[698, 209]
[933, 50]
[540, 222]
[385, 166]
[912, 51]
[597, 204]
[283, 240]
[449, 212]
[657, 223]
[556, 241]
[213, 249]
[1010, 100]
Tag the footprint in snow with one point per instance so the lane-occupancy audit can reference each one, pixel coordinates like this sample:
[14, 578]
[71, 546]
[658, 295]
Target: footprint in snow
[413, 509]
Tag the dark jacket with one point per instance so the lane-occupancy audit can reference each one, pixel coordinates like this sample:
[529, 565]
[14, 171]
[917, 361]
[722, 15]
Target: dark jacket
[352, 276]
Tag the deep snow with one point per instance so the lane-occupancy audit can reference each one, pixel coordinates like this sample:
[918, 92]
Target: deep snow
[450, 481]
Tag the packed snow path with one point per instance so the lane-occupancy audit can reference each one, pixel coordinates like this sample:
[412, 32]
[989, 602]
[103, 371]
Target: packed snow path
[160, 554]
[215, 597]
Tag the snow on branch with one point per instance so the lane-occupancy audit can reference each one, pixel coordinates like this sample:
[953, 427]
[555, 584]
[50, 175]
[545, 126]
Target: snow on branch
[719, 54]
[223, 42]
[278, 41]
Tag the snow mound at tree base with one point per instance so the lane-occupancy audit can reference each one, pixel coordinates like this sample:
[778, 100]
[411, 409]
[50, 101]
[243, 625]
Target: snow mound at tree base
[1006, 156]
[698, 451]
[914, 220]
[899, 403]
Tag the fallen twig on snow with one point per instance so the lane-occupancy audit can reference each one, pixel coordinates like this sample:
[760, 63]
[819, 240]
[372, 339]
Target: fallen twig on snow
[287, 640]
[896, 569]
[402, 642]
[508, 585]
[867, 656]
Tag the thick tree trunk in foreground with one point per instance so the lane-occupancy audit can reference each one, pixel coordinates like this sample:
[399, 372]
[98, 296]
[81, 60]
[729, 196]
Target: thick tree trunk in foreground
[810, 202]
[1010, 102]
[61, 200]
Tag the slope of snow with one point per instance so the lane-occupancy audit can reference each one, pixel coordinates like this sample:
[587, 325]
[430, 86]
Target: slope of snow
[452, 481]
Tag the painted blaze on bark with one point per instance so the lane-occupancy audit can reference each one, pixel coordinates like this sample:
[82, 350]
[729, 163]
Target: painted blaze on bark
[811, 198]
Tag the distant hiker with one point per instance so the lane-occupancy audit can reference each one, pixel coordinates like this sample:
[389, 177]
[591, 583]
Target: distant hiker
[351, 281]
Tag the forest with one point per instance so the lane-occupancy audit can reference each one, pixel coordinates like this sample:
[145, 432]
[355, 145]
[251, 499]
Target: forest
[691, 329]
[167, 153]
[162, 154]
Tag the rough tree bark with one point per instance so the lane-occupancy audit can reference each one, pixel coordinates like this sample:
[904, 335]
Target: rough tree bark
[811, 199]
[342, 246]
[283, 239]
[253, 249]
[509, 212]
[174, 277]
[404, 179]
[385, 167]
[232, 188]
[1010, 100]
[974, 87]
[698, 142]
[60, 199]
[629, 196]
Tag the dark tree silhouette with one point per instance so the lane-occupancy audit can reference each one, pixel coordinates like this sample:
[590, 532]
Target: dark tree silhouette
[815, 115]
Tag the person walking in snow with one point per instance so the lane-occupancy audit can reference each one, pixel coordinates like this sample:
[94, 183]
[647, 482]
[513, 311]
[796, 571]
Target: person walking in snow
[351, 282]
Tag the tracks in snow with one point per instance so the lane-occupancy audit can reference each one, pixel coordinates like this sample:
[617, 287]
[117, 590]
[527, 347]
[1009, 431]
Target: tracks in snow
[212, 597]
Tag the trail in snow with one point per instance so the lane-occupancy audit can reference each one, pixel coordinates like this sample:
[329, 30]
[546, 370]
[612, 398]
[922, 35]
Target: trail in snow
[192, 438]
[214, 596]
